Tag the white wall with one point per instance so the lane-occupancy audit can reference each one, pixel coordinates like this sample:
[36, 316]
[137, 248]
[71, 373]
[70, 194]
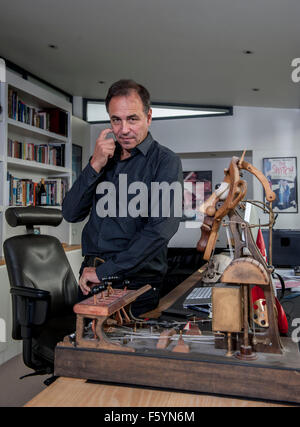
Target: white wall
[9, 347]
[263, 132]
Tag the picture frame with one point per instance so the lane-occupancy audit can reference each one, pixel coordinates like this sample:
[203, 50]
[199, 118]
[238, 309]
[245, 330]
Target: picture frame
[197, 188]
[76, 161]
[281, 172]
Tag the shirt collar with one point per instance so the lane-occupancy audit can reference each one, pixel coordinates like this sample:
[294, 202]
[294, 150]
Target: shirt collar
[144, 146]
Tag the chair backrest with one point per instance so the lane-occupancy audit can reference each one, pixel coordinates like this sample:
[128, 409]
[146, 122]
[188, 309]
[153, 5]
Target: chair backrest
[39, 261]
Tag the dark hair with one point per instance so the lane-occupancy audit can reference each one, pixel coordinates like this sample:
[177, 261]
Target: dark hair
[124, 88]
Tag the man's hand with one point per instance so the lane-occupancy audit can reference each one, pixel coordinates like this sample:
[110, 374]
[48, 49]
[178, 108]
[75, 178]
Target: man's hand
[88, 275]
[104, 150]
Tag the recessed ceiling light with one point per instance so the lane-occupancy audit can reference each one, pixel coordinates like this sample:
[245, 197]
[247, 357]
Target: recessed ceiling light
[248, 52]
[52, 46]
[256, 89]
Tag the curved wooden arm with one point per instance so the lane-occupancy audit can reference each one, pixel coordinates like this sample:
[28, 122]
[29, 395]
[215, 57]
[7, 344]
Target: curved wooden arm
[237, 189]
[270, 195]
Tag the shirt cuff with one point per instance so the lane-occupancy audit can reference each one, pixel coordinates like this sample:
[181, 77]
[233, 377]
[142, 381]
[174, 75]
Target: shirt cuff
[90, 175]
[106, 270]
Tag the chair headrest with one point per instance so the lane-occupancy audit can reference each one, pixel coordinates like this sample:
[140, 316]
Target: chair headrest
[33, 215]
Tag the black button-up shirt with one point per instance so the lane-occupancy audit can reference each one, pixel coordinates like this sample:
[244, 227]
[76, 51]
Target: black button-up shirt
[129, 245]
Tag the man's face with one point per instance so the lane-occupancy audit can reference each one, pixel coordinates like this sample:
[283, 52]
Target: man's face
[128, 120]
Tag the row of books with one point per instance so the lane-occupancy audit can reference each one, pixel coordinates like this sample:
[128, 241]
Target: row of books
[51, 154]
[50, 119]
[25, 192]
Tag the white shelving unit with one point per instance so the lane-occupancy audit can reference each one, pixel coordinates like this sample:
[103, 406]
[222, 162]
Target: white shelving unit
[40, 167]
[24, 130]
[39, 98]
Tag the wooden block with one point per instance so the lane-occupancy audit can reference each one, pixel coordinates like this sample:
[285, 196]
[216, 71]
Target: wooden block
[164, 339]
[194, 330]
[108, 303]
[271, 377]
[247, 271]
[226, 309]
[181, 346]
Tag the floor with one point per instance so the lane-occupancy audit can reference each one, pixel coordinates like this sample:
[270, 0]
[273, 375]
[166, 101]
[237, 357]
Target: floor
[15, 391]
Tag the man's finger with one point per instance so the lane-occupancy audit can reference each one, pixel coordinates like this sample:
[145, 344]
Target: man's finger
[107, 143]
[108, 151]
[84, 291]
[104, 133]
[84, 287]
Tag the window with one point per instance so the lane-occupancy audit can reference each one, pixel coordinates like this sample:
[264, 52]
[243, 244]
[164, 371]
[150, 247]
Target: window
[95, 111]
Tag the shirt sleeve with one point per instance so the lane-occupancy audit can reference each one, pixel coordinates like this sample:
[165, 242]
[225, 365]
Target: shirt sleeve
[157, 231]
[79, 199]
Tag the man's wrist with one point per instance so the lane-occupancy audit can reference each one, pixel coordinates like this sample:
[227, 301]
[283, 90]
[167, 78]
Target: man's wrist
[96, 166]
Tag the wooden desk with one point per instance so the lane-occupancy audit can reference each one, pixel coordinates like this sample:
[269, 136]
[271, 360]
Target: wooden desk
[72, 392]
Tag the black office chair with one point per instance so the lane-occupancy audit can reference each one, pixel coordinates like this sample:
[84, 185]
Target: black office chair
[43, 287]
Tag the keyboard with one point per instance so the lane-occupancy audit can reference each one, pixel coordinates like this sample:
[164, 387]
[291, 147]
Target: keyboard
[177, 309]
[198, 296]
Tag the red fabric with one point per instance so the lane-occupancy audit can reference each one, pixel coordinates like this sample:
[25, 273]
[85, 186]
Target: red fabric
[261, 244]
[258, 293]
[282, 320]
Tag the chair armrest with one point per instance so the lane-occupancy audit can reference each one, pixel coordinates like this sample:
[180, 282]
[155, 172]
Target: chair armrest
[24, 291]
[32, 307]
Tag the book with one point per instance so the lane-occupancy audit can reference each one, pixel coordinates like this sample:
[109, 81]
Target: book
[51, 154]
[58, 122]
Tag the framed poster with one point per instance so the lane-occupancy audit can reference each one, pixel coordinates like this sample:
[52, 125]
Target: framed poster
[281, 173]
[197, 188]
[76, 161]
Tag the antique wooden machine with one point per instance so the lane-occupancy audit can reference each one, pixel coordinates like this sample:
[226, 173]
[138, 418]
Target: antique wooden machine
[232, 303]
[111, 345]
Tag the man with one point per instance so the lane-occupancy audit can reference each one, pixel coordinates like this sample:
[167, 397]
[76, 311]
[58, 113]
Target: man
[114, 242]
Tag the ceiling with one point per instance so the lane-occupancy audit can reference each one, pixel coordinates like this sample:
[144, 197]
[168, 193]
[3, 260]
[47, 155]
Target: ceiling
[183, 51]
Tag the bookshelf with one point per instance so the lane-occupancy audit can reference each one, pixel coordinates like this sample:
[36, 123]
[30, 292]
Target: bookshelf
[32, 131]
[35, 144]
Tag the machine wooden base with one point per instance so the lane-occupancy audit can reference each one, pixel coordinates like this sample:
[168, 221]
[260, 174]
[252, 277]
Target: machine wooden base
[269, 377]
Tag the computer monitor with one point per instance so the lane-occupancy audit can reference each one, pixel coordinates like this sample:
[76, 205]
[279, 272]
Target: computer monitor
[285, 247]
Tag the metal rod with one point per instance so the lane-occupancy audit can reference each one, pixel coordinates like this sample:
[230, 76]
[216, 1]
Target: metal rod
[270, 260]
[246, 325]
